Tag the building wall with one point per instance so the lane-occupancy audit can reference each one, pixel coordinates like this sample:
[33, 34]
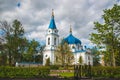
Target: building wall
[51, 45]
[48, 54]
[86, 58]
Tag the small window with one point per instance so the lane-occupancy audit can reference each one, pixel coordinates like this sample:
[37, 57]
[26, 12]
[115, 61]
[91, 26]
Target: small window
[78, 46]
[73, 47]
[46, 55]
[88, 57]
[49, 30]
[48, 41]
[55, 31]
[54, 41]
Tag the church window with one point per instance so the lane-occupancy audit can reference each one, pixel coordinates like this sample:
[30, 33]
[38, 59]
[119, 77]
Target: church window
[78, 46]
[54, 41]
[88, 57]
[49, 31]
[55, 31]
[45, 55]
[73, 47]
[48, 41]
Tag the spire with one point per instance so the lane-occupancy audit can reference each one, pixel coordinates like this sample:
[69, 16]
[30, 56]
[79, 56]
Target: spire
[52, 22]
[70, 30]
[52, 12]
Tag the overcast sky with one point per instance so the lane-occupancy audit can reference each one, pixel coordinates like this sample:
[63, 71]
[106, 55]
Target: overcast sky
[35, 16]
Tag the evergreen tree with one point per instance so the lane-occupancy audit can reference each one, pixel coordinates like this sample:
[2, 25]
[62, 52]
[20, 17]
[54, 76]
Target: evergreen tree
[108, 33]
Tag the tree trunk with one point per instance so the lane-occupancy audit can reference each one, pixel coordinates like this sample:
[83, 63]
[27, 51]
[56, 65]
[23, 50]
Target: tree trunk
[10, 59]
[114, 64]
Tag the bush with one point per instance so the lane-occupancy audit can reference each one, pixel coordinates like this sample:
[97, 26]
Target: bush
[108, 72]
[24, 72]
[54, 67]
[47, 62]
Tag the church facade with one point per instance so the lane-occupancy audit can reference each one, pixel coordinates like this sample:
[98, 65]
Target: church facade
[52, 41]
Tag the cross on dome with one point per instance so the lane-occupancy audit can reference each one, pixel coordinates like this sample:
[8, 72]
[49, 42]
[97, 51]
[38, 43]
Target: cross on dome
[52, 12]
[70, 29]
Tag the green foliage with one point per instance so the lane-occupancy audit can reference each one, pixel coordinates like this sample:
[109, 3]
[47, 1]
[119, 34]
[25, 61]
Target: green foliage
[80, 60]
[108, 33]
[66, 74]
[47, 62]
[17, 48]
[30, 54]
[63, 54]
[24, 72]
[96, 57]
[54, 67]
[99, 72]
[3, 58]
[106, 72]
[13, 35]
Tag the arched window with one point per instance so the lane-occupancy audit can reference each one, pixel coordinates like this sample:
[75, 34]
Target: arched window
[78, 46]
[88, 57]
[48, 41]
[73, 47]
[54, 41]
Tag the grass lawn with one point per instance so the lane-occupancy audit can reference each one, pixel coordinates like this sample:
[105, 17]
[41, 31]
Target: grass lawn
[67, 74]
[64, 74]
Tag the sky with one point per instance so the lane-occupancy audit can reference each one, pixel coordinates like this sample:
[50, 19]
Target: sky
[35, 16]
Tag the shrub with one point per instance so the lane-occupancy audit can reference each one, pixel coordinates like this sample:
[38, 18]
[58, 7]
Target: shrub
[54, 67]
[47, 62]
[24, 72]
[107, 72]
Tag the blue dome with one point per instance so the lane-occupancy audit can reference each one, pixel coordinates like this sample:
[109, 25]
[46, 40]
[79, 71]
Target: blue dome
[72, 40]
[52, 23]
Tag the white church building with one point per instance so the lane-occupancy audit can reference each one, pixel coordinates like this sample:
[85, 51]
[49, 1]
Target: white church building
[52, 41]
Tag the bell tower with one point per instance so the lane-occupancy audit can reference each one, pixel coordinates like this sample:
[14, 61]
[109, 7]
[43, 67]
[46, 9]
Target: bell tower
[52, 41]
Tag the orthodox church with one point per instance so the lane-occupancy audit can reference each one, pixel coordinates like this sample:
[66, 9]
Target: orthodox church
[52, 41]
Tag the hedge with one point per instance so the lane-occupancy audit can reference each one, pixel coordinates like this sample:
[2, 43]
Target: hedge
[108, 72]
[42, 72]
[100, 71]
[24, 72]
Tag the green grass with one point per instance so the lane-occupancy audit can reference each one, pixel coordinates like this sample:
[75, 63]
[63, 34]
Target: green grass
[64, 74]
[67, 74]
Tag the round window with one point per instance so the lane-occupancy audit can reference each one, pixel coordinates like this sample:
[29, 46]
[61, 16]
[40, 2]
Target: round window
[49, 30]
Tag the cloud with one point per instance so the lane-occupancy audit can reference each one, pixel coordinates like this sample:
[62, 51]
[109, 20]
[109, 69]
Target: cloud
[35, 16]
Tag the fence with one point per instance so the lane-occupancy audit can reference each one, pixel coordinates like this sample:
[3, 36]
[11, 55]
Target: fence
[82, 72]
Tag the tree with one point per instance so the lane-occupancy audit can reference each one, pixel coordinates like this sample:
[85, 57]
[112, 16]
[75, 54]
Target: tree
[47, 62]
[108, 33]
[13, 37]
[96, 54]
[3, 55]
[63, 54]
[80, 60]
[15, 46]
[16, 40]
[5, 27]
[31, 53]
